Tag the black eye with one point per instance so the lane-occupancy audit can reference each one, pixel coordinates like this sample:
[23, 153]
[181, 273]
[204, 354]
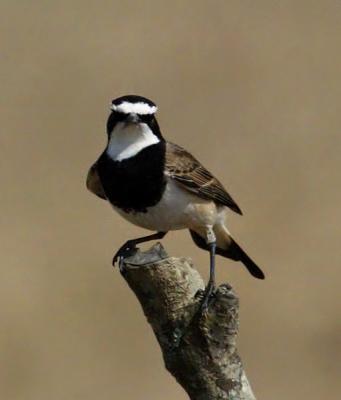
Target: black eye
[146, 118]
[119, 116]
[113, 119]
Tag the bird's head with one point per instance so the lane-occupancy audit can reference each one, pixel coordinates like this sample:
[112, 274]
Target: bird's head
[131, 127]
[132, 111]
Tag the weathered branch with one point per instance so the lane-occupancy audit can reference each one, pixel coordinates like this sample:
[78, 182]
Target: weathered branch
[199, 349]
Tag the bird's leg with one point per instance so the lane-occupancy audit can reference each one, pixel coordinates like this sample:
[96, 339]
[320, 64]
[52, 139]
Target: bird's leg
[211, 242]
[130, 245]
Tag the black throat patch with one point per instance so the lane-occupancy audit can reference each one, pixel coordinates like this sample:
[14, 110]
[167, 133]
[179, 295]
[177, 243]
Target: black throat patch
[135, 183]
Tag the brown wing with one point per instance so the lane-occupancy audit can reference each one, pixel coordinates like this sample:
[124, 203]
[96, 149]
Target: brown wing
[187, 171]
[93, 182]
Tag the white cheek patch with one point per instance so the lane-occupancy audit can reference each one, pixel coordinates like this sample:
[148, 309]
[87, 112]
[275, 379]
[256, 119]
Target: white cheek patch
[137, 108]
[128, 140]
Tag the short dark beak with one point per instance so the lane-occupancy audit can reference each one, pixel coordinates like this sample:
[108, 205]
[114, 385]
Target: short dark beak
[133, 118]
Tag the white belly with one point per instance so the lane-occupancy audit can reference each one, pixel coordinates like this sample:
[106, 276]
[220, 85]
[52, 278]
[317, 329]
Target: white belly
[174, 211]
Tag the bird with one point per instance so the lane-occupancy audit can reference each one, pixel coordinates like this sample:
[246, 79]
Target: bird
[158, 185]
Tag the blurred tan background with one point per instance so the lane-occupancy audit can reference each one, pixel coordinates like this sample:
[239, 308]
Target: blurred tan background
[253, 89]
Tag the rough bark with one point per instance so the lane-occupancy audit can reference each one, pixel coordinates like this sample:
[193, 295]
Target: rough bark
[199, 349]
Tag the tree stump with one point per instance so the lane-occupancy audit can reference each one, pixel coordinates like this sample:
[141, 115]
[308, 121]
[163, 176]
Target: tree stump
[199, 349]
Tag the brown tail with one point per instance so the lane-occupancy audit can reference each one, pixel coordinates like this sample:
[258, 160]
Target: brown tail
[234, 252]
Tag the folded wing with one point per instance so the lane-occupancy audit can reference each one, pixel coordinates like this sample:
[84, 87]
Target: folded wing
[93, 183]
[191, 175]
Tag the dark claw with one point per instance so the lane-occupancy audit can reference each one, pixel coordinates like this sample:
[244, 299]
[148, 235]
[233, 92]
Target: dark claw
[200, 294]
[127, 250]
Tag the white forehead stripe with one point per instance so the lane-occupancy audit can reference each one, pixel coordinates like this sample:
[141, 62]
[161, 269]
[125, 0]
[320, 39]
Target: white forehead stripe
[137, 108]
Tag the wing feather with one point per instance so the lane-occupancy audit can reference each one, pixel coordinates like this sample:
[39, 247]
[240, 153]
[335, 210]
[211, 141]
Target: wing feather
[93, 182]
[190, 174]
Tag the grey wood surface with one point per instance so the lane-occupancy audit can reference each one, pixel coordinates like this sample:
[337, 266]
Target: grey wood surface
[199, 349]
